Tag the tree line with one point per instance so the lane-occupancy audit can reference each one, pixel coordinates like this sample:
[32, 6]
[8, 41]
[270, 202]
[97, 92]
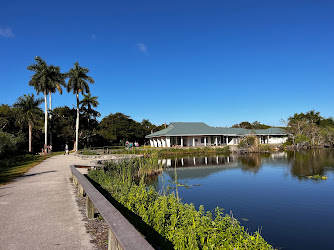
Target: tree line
[310, 129]
[22, 127]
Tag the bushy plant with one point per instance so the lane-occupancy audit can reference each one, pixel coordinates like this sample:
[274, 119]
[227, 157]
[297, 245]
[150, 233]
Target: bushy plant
[248, 142]
[10, 144]
[265, 148]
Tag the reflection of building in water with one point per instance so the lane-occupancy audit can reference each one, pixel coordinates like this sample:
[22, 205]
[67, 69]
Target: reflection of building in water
[196, 167]
[282, 154]
[196, 161]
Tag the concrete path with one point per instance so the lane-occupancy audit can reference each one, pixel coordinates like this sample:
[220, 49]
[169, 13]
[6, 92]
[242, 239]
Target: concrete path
[39, 211]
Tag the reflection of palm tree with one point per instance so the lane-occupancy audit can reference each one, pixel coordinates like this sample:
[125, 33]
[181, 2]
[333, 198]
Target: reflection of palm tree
[78, 82]
[29, 112]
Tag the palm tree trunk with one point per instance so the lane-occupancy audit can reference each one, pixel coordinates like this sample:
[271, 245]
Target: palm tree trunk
[50, 116]
[30, 136]
[46, 120]
[77, 125]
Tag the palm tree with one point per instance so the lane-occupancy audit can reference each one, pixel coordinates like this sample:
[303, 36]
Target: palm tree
[78, 82]
[59, 81]
[89, 102]
[43, 80]
[29, 112]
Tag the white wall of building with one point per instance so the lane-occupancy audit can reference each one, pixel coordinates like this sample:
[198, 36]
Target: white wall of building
[277, 140]
[189, 141]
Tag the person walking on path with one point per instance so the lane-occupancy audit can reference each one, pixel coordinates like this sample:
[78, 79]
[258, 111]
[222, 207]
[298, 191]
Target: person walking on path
[66, 149]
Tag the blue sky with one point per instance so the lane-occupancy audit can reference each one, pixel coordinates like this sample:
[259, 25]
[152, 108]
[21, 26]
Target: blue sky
[220, 62]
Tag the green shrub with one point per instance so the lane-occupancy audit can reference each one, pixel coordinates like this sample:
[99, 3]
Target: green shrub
[247, 142]
[174, 151]
[87, 151]
[265, 148]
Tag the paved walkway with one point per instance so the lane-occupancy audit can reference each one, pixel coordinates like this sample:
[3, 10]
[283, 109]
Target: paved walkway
[39, 211]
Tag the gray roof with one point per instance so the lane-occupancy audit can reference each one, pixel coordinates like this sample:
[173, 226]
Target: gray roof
[200, 128]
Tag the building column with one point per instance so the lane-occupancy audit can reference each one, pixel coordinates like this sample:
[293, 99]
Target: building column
[181, 141]
[168, 141]
[194, 141]
[204, 140]
[226, 140]
[216, 141]
[151, 143]
[163, 142]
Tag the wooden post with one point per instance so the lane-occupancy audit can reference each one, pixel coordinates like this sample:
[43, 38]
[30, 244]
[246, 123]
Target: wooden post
[80, 191]
[112, 242]
[75, 181]
[89, 208]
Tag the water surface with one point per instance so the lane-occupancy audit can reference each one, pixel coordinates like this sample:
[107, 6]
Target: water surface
[267, 192]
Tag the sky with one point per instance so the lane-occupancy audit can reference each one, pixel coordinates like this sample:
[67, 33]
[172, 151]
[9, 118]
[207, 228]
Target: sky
[219, 62]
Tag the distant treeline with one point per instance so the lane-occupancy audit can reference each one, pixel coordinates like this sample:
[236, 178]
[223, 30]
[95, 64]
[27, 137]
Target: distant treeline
[113, 129]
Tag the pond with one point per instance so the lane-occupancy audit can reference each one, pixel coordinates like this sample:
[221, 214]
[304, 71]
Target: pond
[267, 192]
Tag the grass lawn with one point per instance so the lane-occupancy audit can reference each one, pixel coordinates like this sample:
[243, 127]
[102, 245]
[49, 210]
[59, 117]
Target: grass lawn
[17, 166]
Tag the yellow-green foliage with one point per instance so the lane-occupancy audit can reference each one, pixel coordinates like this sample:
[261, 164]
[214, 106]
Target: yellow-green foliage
[174, 151]
[180, 223]
[317, 177]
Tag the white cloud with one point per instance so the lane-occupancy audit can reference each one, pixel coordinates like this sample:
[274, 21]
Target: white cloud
[142, 47]
[6, 32]
[93, 37]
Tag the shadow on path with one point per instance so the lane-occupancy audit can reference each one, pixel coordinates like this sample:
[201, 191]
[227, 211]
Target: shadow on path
[46, 172]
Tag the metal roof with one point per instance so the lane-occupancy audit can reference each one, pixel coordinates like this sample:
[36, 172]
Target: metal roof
[200, 128]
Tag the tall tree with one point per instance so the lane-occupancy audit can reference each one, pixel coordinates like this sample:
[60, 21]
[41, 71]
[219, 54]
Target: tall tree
[56, 85]
[45, 77]
[86, 107]
[78, 82]
[89, 102]
[29, 112]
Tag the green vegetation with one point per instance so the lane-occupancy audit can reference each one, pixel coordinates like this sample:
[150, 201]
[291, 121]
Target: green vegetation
[178, 223]
[248, 125]
[317, 177]
[174, 151]
[28, 112]
[310, 130]
[249, 142]
[87, 151]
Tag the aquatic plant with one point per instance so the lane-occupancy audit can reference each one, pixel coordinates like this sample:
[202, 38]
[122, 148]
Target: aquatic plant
[317, 177]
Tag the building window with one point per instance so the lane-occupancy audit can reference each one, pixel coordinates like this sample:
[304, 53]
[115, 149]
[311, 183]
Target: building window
[202, 139]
